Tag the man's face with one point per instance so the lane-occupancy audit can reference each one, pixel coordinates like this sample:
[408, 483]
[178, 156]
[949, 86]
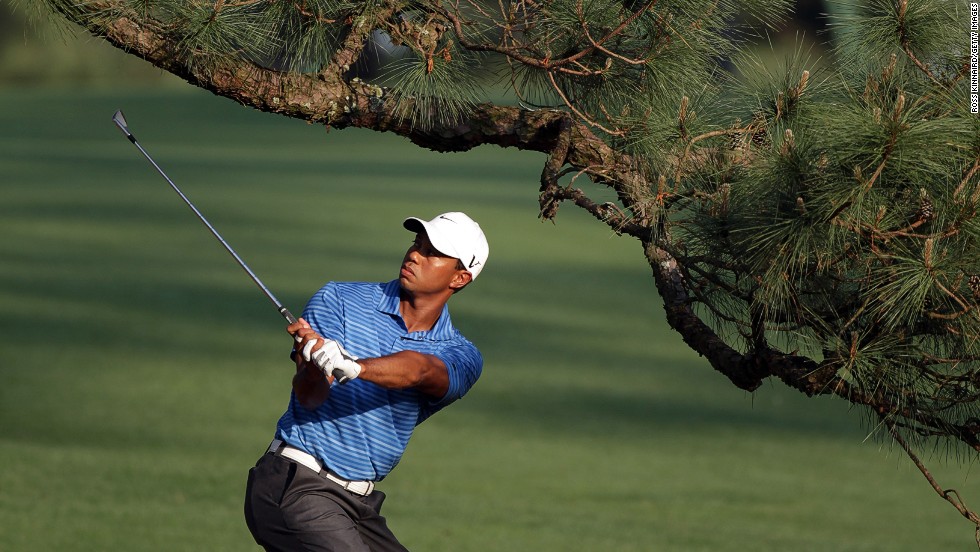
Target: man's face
[425, 270]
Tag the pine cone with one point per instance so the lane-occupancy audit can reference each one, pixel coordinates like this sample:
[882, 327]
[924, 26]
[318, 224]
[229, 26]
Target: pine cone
[760, 135]
[974, 283]
[925, 211]
[735, 136]
[735, 141]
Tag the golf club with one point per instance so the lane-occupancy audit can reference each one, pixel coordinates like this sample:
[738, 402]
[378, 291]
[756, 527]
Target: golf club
[120, 121]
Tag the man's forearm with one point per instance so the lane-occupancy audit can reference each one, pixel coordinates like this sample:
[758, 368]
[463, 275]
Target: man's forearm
[407, 369]
[401, 370]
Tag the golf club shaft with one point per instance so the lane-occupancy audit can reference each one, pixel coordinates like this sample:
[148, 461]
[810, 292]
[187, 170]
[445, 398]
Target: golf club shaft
[120, 121]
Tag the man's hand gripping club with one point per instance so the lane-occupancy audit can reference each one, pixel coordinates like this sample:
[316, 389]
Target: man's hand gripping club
[328, 355]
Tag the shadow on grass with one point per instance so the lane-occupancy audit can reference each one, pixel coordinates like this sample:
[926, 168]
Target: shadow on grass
[605, 413]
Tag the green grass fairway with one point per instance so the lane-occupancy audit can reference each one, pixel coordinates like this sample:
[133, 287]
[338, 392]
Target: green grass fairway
[142, 373]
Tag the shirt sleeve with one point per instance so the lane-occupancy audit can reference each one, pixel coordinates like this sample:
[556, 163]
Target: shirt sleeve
[325, 312]
[464, 364]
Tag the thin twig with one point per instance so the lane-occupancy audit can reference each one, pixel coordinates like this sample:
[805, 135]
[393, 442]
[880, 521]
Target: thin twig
[903, 6]
[583, 116]
[973, 170]
[545, 63]
[949, 495]
[696, 139]
[598, 45]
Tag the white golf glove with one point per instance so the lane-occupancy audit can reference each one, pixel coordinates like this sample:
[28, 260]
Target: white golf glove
[334, 360]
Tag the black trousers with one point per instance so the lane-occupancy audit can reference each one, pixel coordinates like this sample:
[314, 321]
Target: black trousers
[289, 507]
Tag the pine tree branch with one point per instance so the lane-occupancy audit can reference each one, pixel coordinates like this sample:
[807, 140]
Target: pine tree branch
[350, 50]
[551, 197]
[742, 370]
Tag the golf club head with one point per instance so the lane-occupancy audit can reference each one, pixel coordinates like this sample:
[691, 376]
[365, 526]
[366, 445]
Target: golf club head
[120, 121]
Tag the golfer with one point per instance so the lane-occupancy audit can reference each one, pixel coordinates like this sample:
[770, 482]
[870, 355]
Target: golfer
[373, 360]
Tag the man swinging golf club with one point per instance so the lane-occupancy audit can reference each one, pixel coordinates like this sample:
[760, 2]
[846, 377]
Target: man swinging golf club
[373, 360]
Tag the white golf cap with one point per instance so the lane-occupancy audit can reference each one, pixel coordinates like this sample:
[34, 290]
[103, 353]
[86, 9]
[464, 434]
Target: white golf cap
[456, 235]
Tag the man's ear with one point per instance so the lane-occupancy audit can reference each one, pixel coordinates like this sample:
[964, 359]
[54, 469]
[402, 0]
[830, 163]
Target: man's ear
[460, 279]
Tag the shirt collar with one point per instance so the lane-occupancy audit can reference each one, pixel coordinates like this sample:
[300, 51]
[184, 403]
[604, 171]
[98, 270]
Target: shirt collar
[390, 303]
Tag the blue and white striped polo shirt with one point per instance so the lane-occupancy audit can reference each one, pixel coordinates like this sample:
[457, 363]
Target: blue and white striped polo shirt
[361, 431]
